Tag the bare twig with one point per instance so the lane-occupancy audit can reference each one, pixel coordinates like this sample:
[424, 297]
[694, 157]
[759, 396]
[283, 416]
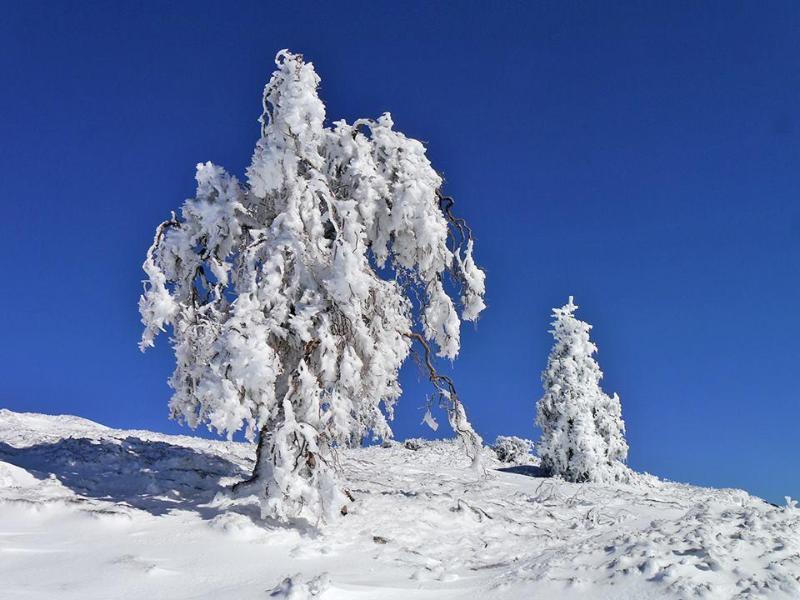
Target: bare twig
[448, 396]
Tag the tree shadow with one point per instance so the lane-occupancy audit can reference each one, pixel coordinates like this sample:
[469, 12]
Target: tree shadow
[527, 470]
[153, 476]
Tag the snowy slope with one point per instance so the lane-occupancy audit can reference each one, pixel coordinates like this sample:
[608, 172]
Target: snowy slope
[90, 512]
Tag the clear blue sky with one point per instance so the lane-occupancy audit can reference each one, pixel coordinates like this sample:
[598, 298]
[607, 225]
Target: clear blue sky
[641, 156]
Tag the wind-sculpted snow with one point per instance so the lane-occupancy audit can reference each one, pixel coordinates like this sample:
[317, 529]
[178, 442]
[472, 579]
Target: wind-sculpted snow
[90, 512]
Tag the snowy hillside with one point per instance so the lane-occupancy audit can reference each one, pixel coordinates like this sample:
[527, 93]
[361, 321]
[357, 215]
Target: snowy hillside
[89, 512]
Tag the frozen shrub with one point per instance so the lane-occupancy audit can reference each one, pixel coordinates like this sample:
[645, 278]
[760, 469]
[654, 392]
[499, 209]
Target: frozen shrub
[511, 449]
[413, 444]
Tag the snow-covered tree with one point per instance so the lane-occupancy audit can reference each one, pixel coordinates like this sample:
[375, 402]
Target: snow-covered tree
[294, 298]
[583, 434]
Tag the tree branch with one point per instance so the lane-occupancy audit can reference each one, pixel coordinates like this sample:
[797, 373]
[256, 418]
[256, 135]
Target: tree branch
[447, 392]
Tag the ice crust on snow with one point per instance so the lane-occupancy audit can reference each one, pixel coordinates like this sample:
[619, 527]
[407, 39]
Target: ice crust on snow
[91, 512]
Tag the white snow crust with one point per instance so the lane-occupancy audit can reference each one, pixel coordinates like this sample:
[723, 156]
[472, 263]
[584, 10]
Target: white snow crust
[90, 512]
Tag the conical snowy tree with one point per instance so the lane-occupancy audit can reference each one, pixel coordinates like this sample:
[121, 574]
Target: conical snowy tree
[583, 434]
[289, 296]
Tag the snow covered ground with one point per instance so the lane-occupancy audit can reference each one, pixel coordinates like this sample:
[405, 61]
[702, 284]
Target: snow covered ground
[90, 512]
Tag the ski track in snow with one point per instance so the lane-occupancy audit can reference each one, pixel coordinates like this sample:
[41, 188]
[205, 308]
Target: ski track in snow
[90, 512]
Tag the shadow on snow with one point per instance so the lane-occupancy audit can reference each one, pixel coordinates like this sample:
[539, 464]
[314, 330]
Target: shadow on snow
[153, 476]
[527, 470]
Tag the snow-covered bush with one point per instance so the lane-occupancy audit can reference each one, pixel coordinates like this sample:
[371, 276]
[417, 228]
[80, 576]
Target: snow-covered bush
[583, 434]
[511, 449]
[790, 503]
[288, 296]
[413, 444]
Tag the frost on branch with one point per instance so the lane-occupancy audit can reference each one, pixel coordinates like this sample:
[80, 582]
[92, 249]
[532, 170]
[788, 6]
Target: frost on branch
[583, 434]
[289, 295]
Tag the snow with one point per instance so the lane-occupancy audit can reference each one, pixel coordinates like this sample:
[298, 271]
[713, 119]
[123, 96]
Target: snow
[91, 512]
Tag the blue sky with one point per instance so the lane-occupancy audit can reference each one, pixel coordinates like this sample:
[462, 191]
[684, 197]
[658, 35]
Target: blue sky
[643, 157]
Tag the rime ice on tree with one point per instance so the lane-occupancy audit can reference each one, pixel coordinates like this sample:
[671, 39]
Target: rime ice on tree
[583, 434]
[288, 296]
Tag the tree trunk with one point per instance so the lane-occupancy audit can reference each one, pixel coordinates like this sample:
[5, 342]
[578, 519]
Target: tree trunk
[256, 479]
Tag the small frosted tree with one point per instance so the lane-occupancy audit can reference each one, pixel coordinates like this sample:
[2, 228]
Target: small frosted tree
[294, 298]
[583, 434]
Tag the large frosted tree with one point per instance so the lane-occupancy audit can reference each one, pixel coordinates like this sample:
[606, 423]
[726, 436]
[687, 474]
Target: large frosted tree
[583, 434]
[294, 298]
